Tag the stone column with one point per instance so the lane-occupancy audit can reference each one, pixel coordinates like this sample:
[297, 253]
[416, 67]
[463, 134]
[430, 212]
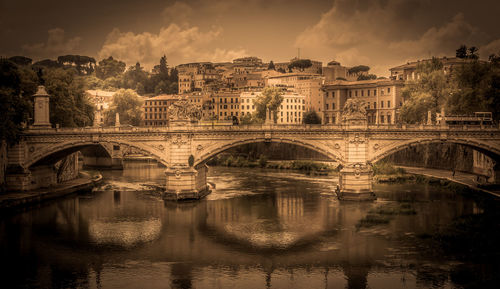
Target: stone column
[41, 109]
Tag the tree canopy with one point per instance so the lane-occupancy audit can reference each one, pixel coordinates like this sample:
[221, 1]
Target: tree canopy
[128, 105]
[270, 99]
[311, 117]
[110, 67]
[271, 66]
[358, 69]
[301, 64]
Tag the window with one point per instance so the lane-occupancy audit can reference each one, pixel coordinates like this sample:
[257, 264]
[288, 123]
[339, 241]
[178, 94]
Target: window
[374, 105]
[388, 103]
[333, 105]
[388, 118]
[327, 106]
[326, 119]
[356, 93]
[333, 93]
[368, 92]
[333, 119]
[382, 104]
[381, 119]
[388, 90]
[350, 93]
[362, 93]
[374, 92]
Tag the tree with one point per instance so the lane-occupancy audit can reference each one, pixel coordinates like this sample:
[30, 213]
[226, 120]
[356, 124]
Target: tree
[472, 53]
[367, 76]
[83, 64]
[15, 102]
[270, 99]
[301, 64]
[311, 117]
[429, 92]
[358, 69]
[20, 60]
[109, 67]
[69, 105]
[281, 70]
[128, 105]
[271, 66]
[461, 52]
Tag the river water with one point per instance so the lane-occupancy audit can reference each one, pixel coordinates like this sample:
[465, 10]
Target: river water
[258, 229]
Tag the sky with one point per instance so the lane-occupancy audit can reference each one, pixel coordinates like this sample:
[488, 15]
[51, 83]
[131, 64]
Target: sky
[380, 33]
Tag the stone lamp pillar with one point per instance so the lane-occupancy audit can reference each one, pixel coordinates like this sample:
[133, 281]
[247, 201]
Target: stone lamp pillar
[41, 108]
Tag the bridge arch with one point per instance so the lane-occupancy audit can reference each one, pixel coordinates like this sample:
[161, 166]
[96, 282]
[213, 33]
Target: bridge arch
[479, 145]
[55, 152]
[322, 149]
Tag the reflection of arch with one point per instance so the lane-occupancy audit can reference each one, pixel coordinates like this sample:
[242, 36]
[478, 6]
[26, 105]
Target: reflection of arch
[329, 153]
[58, 151]
[483, 147]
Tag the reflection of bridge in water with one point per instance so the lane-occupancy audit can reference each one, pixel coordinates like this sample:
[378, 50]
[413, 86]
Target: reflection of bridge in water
[184, 148]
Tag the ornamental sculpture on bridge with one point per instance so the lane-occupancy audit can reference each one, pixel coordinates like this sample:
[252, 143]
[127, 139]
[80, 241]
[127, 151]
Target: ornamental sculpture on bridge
[354, 109]
[183, 110]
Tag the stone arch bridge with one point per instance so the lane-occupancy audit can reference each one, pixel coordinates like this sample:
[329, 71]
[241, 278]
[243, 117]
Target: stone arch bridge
[355, 146]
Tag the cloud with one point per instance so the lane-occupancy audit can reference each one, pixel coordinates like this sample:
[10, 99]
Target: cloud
[491, 48]
[178, 12]
[180, 44]
[384, 33]
[56, 45]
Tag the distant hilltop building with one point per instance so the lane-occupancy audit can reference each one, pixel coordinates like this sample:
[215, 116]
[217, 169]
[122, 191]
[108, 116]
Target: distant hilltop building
[408, 71]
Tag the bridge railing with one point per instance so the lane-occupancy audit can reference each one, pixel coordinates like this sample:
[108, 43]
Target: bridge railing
[262, 127]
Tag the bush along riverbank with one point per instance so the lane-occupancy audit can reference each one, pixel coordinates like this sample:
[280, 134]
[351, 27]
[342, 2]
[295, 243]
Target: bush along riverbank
[387, 173]
[308, 166]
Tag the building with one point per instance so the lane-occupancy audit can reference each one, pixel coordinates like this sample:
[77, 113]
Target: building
[382, 96]
[291, 110]
[156, 109]
[226, 105]
[408, 71]
[306, 84]
[334, 71]
[195, 76]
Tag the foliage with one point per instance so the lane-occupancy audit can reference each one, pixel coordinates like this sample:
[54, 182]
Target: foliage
[358, 69]
[367, 76]
[429, 92]
[15, 101]
[83, 64]
[109, 67]
[384, 168]
[263, 161]
[271, 66]
[69, 106]
[46, 63]
[301, 64]
[270, 99]
[311, 117]
[20, 60]
[464, 52]
[477, 88]
[128, 105]
[250, 119]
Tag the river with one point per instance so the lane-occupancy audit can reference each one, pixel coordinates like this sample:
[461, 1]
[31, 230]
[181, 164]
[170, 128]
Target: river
[258, 229]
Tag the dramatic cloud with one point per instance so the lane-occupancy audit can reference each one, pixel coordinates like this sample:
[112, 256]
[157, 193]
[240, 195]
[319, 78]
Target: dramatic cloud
[56, 45]
[383, 33]
[491, 48]
[178, 13]
[180, 44]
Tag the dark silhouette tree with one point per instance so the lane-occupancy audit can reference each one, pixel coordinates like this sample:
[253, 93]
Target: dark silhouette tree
[461, 52]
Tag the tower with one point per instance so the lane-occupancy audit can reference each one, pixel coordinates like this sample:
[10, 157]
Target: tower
[41, 109]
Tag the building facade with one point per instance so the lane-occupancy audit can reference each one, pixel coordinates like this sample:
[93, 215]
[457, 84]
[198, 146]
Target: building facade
[155, 109]
[382, 97]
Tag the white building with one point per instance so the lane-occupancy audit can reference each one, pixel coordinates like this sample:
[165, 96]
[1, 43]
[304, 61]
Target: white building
[291, 110]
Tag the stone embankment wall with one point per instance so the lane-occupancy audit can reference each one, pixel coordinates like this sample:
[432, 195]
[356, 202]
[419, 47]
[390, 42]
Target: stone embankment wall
[437, 156]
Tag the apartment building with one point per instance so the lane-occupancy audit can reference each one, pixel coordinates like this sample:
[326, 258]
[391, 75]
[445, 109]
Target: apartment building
[382, 96]
[291, 110]
[155, 109]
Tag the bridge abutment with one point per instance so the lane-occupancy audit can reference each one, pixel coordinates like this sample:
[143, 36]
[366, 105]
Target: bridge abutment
[355, 182]
[184, 182]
